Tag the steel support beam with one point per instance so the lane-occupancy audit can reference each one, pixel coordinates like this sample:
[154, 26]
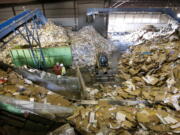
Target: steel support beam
[168, 11]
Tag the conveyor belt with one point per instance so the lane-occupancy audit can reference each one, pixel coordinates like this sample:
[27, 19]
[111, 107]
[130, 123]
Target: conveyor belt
[17, 21]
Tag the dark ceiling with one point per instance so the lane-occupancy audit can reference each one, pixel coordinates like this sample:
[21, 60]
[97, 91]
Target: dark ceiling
[28, 1]
[16, 1]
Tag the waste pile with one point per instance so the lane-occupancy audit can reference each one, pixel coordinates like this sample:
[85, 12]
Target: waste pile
[86, 44]
[102, 118]
[148, 72]
[13, 85]
[148, 33]
[144, 100]
[145, 103]
[66, 86]
[52, 35]
[5, 55]
[106, 119]
[151, 71]
[63, 130]
[49, 34]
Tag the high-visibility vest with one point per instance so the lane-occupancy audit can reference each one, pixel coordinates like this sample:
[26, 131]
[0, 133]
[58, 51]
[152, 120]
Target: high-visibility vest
[63, 72]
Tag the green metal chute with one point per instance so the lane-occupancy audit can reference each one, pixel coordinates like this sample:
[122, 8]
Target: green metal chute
[52, 55]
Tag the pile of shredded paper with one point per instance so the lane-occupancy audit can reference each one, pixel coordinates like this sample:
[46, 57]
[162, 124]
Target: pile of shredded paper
[85, 43]
[148, 33]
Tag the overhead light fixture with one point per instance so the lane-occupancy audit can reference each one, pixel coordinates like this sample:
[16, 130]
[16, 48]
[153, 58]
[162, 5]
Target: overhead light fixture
[178, 15]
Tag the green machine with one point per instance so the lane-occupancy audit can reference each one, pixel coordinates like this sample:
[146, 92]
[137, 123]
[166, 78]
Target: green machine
[52, 55]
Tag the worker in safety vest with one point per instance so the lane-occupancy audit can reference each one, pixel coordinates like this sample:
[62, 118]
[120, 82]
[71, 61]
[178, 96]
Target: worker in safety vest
[63, 69]
[57, 69]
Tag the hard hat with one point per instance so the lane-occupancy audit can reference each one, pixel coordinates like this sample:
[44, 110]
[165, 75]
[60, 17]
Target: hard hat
[61, 65]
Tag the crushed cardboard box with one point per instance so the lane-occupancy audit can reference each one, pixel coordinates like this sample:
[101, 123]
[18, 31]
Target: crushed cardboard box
[18, 88]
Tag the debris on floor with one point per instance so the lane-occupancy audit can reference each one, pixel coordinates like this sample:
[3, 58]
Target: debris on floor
[63, 130]
[151, 74]
[17, 87]
[66, 86]
[112, 119]
[145, 99]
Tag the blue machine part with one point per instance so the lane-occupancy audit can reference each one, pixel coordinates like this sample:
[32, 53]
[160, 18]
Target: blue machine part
[9, 21]
[17, 21]
[168, 11]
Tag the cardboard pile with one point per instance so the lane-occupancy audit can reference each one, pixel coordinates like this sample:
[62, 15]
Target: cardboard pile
[63, 130]
[105, 119]
[151, 71]
[148, 72]
[150, 75]
[19, 88]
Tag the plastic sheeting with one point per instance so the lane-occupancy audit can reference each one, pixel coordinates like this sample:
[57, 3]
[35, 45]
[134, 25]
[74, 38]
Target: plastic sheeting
[67, 86]
[45, 110]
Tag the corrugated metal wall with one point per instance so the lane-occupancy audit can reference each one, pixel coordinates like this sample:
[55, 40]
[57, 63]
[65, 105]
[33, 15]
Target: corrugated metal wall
[127, 22]
[61, 13]
[5, 13]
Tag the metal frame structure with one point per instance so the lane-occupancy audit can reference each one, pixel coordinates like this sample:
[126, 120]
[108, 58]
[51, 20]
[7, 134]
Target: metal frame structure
[21, 24]
[168, 11]
[31, 36]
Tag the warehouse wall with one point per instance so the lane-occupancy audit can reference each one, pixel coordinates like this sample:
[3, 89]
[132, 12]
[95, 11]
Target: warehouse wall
[5, 13]
[70, 13]
[127, 22]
